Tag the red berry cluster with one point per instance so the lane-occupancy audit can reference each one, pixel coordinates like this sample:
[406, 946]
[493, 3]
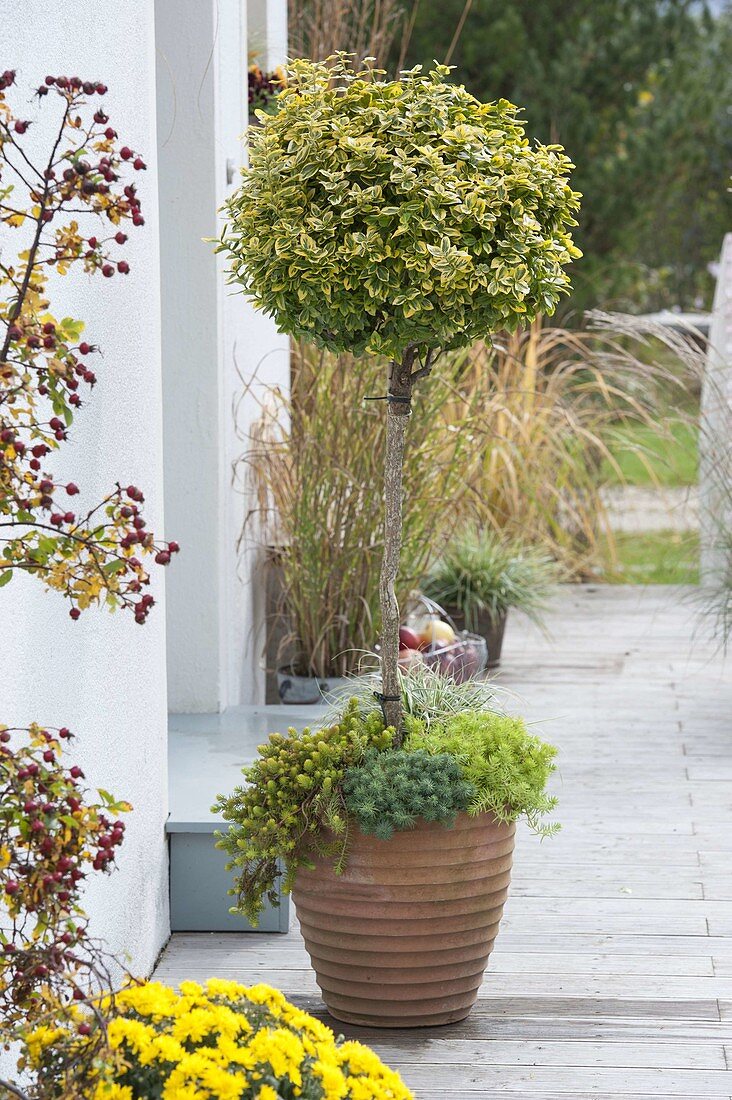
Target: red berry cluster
[89, 556]
[40, 795]
[51, 835]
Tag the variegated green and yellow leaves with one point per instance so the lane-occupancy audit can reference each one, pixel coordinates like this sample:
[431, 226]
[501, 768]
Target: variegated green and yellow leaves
[379, 214]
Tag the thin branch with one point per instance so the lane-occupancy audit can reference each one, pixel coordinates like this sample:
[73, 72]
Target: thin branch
[30, 263]
[11, 278]
[11, 139]
[458, 31]
[425, 370]
[13, 1090]
[19, 174]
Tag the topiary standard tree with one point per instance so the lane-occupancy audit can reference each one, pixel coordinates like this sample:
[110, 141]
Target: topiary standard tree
[401, 218]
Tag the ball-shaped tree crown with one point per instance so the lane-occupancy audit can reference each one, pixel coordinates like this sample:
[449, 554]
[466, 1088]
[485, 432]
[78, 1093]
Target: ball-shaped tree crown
[378, 214]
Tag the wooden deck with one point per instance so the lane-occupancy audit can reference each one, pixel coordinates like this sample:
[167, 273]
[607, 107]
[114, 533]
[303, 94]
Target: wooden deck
[612, 974]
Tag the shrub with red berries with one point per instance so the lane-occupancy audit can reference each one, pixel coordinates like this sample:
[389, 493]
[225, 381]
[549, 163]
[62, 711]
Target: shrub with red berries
[53, 834]
[46, 368]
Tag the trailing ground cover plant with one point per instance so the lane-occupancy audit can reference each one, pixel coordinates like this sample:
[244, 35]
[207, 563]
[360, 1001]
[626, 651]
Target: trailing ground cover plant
[482, 573]
[292, 804]
[401, 218]
[45, 369]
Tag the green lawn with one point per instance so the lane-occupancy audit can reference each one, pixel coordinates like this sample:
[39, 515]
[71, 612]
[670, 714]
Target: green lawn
[646, 456]
[657, 557]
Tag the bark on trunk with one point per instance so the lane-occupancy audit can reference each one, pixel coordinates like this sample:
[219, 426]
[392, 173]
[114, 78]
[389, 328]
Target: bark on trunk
[398, 411]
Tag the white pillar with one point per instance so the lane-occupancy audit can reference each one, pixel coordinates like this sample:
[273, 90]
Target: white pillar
[103, 676]
[212, 343]
[715, 444]
[267, 35]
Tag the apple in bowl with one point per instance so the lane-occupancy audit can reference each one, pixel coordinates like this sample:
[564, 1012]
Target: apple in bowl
[436, 631]
[408, 658]
[409, 639]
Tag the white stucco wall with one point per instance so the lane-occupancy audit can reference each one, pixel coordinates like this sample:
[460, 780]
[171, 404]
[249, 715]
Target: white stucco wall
[103, 676]
[213, 341]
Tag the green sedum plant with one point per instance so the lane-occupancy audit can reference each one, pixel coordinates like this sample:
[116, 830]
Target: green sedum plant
[391, 790]
[508, 767]
[403, 218]
[292, 805]
[485, 573]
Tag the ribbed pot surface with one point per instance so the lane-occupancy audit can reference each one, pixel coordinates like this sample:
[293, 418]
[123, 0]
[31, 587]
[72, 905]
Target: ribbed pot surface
[402, 937]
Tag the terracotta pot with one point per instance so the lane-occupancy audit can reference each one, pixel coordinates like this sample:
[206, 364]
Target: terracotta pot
[403, 936]
[489, 628]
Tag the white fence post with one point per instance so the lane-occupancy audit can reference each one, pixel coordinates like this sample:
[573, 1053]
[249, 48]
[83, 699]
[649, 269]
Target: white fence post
[715, 438]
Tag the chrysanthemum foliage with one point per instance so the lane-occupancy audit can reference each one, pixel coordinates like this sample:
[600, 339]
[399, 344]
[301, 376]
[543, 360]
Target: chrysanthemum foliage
[378, 214]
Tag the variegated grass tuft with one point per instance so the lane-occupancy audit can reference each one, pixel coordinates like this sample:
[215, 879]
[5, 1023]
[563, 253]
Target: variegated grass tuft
[426, 694]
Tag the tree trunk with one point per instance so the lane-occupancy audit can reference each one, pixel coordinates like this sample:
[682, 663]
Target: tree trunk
[398, 411]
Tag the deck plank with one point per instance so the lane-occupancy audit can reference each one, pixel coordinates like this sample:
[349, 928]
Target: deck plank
[612, 974]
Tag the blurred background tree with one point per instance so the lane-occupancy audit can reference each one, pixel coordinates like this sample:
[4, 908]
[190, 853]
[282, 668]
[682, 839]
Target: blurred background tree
[640, 94]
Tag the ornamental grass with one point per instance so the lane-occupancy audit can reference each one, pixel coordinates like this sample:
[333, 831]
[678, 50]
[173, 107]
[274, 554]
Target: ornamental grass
[512, 439]
[314, 461]
[554, 402]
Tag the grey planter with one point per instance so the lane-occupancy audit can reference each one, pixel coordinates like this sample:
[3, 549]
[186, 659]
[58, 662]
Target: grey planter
[490, 629]
[298, 690]
[200, 884]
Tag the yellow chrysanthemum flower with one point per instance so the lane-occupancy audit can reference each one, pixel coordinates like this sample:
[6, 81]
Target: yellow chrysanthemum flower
[334, 1082]
[230, 1051]
[265, 995]
[192, 990]
[108, 1090]
[133, 1033]
[151, 999]
[282, 1049]
[194, 1025]
[225, 987]
[222, 1042]
[39, 1039]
